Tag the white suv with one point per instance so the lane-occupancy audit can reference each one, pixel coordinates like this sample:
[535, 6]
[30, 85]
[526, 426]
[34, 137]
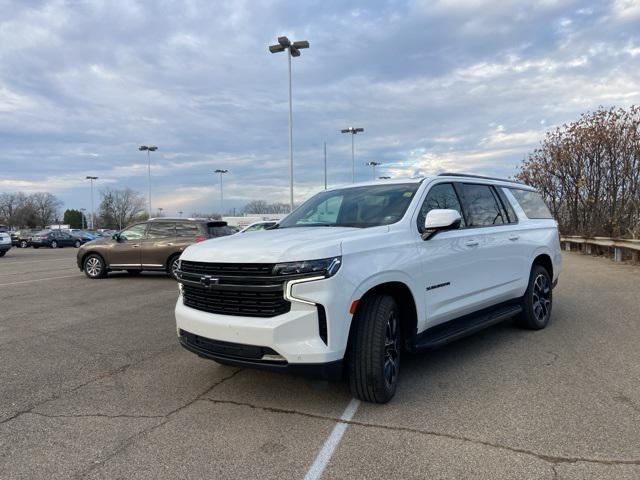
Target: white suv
[359, 274]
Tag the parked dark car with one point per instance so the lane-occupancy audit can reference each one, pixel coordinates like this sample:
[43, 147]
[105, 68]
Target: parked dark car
[152, 245]
[21, 238]
[54, 239]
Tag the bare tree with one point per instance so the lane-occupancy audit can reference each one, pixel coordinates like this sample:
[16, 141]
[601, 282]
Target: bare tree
[263, 207]
[588, 172]
[128, 205]
[47, 207]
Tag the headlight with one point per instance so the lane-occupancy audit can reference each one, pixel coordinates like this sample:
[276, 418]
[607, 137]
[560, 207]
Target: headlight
[326, 266]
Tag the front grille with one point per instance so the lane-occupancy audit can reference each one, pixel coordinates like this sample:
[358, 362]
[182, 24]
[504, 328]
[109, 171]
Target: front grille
[237, 300]
[224, 269]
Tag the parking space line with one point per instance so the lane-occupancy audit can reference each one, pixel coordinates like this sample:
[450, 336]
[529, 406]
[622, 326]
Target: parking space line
[325, 454]
[18, 262]
[38, 280]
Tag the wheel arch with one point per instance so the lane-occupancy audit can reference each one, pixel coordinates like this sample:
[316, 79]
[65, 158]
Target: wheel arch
[405, 301]
[544, 260]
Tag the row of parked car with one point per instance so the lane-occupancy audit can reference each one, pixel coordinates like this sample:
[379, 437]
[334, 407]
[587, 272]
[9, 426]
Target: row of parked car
[55, 238]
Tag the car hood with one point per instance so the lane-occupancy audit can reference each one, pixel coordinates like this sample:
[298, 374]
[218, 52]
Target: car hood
[272, 246]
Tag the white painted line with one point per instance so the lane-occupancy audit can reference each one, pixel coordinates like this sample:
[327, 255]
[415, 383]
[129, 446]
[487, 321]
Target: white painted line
[39, 280]
[322, 460]
[19, 262]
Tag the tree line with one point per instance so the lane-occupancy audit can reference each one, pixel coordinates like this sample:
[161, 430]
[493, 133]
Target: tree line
[29, 210]
[588, 172]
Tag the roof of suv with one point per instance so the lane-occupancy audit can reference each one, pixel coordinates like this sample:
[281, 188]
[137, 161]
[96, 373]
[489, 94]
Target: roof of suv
[456, 176]
[219, 223]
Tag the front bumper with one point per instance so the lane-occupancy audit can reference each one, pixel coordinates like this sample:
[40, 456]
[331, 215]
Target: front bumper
[254, 357]
[295, 336]
[4, 247]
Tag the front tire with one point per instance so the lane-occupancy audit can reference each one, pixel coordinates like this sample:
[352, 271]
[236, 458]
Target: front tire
[94, 266]
[53, 244]
[374, 357]
[77, 244]
[23, 244]
[537, 301]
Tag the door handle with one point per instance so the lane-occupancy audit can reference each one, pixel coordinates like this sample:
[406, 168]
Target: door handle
[472, 243]
[135, 246]
[513, 238]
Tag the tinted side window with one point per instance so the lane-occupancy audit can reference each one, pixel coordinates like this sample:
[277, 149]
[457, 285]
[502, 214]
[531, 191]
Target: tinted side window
[481, 206]
[161, 230]
[187, 230]
[531, 203]
[440, 196]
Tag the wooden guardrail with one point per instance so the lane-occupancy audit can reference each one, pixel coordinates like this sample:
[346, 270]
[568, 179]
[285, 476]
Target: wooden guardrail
[622, 248]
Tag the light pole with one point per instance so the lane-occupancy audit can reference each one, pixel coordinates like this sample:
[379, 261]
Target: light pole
[221, 172]
[373, 166]
[353, 131]
[293, 50]
[82, 210]
[180, 212]
[148, 149]
[160, 209]
[93, 215]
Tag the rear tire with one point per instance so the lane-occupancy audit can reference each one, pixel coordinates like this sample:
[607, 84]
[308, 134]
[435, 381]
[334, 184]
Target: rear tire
[374, 356]
[537, 301]
[94, 266]
[77, 244]
[53, 244]
[172, 266]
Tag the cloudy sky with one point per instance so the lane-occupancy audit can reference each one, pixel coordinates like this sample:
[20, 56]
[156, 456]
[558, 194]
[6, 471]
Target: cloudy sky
[455, 85]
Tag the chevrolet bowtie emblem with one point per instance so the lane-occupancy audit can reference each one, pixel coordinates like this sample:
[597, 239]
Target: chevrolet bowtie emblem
[208, 280]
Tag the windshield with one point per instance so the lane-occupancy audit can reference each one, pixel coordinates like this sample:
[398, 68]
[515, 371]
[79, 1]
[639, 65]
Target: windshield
[360, 207]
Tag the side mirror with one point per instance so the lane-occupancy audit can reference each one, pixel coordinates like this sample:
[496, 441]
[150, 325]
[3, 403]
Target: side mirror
[438, 220]
[116, 236]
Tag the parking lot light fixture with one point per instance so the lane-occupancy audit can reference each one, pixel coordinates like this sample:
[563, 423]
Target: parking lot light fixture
[353, 131]
[293, 50]
[373, 166]
[148, 149]
[91, 179]
[180, 213]
[221, 172]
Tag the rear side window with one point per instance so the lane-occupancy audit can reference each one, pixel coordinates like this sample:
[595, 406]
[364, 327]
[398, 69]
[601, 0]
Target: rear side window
[531, 203]
[481, 206]
[187, 230]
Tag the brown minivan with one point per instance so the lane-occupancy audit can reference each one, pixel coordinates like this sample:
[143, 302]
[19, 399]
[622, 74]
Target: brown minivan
[152, 245]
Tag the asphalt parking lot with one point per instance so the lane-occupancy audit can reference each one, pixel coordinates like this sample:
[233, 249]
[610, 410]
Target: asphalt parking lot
[93, 384]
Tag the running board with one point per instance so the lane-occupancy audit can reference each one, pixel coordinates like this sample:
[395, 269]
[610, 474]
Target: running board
[461, 327]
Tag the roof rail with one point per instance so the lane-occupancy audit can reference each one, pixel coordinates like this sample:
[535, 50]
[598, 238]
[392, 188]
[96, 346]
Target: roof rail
[447, 174]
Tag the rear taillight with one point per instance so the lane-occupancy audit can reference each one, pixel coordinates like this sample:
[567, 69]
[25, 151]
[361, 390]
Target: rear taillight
[200, 238]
